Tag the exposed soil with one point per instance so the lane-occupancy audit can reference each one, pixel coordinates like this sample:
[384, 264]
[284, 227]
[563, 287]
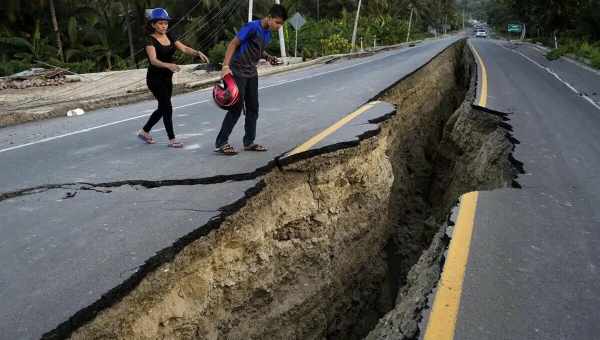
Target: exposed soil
[341, 245]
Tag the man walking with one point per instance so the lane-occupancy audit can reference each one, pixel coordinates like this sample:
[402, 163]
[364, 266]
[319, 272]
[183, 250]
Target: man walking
[241, 58]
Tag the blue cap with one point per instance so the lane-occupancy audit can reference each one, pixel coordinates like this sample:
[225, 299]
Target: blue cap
[159, 14]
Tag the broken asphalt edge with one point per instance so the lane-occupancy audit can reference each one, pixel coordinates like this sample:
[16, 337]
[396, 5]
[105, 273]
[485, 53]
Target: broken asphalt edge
[116, 294]
[430, 264]
[278, 161]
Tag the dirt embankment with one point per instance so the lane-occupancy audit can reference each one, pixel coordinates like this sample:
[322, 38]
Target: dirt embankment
[324, 248]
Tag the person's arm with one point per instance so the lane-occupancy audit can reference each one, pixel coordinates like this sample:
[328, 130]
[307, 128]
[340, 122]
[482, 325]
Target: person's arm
[190, 51]
[151, 51]
[231, 48]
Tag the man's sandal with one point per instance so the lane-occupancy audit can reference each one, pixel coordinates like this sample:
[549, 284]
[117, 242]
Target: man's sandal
[226, 150]
[255, 147]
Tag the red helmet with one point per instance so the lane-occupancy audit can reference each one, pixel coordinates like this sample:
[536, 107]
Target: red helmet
[226, 93]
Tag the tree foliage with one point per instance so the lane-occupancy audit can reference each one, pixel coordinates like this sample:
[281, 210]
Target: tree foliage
[95, 38]
[544, 18]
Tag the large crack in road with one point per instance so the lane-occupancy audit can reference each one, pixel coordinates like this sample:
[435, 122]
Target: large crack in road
[344, 242]
[139, 183]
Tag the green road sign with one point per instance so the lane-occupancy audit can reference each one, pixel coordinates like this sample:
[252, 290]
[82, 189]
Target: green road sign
[517, 28]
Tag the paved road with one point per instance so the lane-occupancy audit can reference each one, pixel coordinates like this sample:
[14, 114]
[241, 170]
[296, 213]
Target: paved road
[583, 78]
[533, 268]
[59, 253]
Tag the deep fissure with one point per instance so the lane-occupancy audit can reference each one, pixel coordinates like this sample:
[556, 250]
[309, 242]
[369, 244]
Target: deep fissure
[340, 245]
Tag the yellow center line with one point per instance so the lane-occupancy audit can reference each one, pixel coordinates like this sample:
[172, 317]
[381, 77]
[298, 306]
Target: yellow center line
[484, 83]
[444, 313]
[322, 135]
[442, 320]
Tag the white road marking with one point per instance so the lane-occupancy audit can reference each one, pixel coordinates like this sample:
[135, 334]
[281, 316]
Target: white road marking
[147, 112]
[188, 135]
[555, 75]
[192, 147]
[71, 133]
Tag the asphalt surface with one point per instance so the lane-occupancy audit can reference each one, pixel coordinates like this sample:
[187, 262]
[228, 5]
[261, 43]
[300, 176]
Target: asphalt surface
[582, 77]
[61, 249]
[533, 269]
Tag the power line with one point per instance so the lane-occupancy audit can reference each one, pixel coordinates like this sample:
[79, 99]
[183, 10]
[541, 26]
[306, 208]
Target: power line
[228, 7]
[211, 35]
[94, 86]
[186, 14]
[23, 105]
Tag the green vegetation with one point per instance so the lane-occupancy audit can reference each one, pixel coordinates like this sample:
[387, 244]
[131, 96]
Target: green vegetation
[580, 49]
[94, 34]
[574, 23]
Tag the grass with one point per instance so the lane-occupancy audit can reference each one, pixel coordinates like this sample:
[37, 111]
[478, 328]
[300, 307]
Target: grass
[581, 49]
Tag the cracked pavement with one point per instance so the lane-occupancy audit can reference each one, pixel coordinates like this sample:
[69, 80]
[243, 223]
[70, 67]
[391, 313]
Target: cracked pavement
[532, 269]
[84, 203]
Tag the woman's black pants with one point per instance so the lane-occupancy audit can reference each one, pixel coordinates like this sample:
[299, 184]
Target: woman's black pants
[162, 89]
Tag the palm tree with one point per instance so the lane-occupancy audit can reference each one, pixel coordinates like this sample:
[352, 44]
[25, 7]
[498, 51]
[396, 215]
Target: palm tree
[56, 31]
[130, 34]
[29, 50]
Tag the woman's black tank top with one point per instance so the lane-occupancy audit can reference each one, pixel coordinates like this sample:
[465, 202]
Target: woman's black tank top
[164, 54]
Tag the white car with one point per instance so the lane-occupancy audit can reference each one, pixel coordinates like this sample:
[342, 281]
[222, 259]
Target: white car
[480, 34]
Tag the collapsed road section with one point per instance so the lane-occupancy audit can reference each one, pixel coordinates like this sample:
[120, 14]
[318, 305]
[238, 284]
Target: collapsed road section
[343, 242]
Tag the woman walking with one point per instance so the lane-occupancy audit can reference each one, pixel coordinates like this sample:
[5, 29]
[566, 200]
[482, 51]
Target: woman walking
[160, 48]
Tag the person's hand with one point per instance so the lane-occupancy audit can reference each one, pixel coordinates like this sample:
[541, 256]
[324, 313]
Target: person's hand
[173, 68]
[273, 60]
[202, 57]
[225, 71]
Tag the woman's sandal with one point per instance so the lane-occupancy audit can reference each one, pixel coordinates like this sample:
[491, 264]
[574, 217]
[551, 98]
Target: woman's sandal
[226, 150]
[255, 147]
[176, 145]
[146, 138]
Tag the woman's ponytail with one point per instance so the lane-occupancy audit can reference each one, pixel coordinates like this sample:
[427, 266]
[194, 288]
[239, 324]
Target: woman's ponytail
[148, 29]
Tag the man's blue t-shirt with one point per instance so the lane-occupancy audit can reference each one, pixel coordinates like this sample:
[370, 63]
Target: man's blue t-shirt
[254, 39]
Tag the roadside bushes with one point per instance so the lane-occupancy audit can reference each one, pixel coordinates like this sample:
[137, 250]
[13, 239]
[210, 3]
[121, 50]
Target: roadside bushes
[590, 52]
[217, 53]
[335, 44]
[87, 50]
[332, 36]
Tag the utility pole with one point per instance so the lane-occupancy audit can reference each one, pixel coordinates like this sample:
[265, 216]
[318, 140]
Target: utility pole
[130, 36]
[281, 37]
[445, 23]
[56, 31]
[250, 5]
[318, 17]
[465, 5]
[356, 25]
[409, 22]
